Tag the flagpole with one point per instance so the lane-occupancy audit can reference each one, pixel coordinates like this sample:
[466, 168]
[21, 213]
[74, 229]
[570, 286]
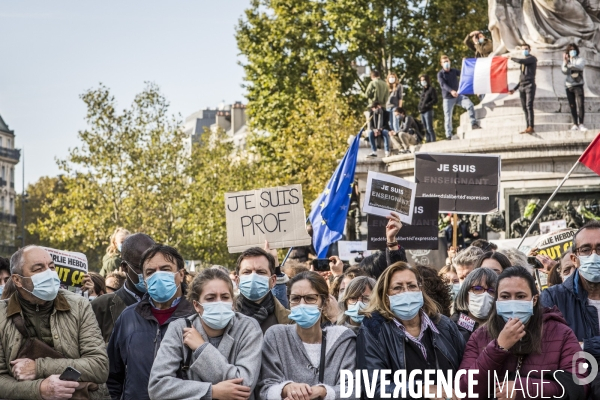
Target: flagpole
[547, 202]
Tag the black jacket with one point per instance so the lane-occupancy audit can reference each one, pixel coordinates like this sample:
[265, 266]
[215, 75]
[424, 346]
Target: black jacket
[380, 119]
[464, 331]
[375, 264]
[528, 68]
[380, 346]
[109, 307]
[133, 346]
[428, 99]
[571, 299]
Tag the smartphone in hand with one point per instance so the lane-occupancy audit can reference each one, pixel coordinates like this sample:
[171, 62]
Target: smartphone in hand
[321, 264]
[70, 374]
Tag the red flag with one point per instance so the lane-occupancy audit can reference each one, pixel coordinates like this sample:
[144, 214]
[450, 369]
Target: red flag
[591, 156]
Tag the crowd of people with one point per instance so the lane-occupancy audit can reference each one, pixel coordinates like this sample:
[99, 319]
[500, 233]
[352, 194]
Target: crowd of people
[218, 334]
[394, 124]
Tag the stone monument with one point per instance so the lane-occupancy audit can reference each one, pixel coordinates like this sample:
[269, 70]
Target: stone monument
[532, 165]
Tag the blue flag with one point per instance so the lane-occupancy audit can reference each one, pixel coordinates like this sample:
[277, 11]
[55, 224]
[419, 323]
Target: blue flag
[328, 217]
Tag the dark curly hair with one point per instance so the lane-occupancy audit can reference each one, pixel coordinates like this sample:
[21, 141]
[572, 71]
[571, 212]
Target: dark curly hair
[437, 288]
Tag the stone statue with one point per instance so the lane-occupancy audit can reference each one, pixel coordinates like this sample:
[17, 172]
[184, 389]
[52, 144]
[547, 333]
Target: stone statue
[544, 24]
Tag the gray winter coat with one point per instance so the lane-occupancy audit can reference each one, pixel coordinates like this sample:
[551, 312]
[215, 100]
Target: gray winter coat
[284, 360]
[238, 356]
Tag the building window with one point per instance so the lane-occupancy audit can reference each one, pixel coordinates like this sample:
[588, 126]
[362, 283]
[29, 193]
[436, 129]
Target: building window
[3, 172]
[2, 204]
[12, 175]
[0, 141]
[12, 207]
[8, 143]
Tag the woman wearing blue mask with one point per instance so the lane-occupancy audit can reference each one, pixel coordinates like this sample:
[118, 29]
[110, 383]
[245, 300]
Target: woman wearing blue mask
[404, 330]
[303, 361]
[355, 299]
[112, 259]
[213, 354]
[474, 301]
[524, 342]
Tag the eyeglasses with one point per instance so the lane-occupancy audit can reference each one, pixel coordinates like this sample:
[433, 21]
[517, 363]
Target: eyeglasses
[308, 298]
[354, 300]
[587, 250]
[411, 287]
[481, 290]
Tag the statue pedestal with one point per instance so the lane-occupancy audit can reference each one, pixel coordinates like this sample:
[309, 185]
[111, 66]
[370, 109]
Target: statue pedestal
[501, 114]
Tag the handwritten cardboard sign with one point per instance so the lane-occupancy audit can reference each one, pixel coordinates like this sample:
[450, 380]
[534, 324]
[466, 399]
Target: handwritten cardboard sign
[275, 214]
[388, 193]
[70, 266]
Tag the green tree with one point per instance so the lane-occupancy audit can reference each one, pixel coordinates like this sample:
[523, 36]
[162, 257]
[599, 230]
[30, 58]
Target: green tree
[128, 171]
[285, 41]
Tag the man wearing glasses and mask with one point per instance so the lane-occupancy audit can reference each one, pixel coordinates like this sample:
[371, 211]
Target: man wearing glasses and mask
[108, 307]
[578, 297]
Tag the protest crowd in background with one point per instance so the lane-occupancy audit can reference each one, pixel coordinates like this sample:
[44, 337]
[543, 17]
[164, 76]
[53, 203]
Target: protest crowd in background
[146, 327]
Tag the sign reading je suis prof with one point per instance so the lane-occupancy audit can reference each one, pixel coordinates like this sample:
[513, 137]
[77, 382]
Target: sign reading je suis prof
[422, 234]
[464, 183]
[274, 214]
[388, 193]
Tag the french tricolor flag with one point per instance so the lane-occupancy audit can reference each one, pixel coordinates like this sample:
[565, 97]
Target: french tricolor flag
[484, 75]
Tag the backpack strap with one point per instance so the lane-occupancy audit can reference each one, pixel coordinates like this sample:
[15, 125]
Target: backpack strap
[188, 358]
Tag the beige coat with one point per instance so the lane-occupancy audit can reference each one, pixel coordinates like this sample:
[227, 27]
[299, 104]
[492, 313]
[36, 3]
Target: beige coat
[75, 334]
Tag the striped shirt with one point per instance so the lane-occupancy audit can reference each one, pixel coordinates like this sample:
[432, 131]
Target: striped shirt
[426, 322]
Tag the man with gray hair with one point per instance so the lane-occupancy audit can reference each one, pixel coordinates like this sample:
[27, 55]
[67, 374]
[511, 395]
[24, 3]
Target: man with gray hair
[465, 261]
[44, 330]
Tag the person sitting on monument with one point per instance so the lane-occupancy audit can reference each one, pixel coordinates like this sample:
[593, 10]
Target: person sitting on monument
[448, 79]
[572, 67]
[405, 131]
[477, 42]
[526, 85]
[378, 126]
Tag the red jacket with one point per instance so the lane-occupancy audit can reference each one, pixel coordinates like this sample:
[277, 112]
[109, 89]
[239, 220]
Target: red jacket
[559, 344]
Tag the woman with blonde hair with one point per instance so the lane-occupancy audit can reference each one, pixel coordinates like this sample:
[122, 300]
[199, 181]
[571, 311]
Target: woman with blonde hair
[356, 297]
[395, 98]
[404, 330]
[112, 259]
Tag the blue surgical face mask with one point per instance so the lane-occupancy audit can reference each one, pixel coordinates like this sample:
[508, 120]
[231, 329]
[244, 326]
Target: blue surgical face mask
[481, 40]
[217, 314]
[573, 53]
[119, 247]
[141, 285]
[353, 310]
[424, 83]
[454, 288]
[1, 289]
[589, 267]
[253, 286]
[305, 315]
[45, 285]
[525, 53]
[161, 286]
[446, 65]
[522, 309]
[406, 305]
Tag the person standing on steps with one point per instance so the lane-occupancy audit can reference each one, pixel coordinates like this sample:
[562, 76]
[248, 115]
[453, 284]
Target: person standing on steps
[448, 79]
[526, 85]
[572, 67]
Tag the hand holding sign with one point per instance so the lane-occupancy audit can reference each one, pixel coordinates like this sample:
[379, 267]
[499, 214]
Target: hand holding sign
[393, 227]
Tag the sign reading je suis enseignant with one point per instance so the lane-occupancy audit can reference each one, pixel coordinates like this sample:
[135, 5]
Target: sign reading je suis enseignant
[464, 183]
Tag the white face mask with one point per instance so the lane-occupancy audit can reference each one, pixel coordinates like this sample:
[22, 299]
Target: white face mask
[480, 304]
[392, 79]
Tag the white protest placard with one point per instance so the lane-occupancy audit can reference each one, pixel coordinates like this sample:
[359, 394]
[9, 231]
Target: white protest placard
[551, 226]
[349, 250]
[275, 214]
[386, 193]
[70, 266]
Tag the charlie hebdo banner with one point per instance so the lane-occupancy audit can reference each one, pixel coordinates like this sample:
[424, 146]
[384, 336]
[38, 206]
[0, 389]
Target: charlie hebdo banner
[275, 214]
[70, 266]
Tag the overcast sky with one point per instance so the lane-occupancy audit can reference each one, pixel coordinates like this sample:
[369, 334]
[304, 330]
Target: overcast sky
[52, 51]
